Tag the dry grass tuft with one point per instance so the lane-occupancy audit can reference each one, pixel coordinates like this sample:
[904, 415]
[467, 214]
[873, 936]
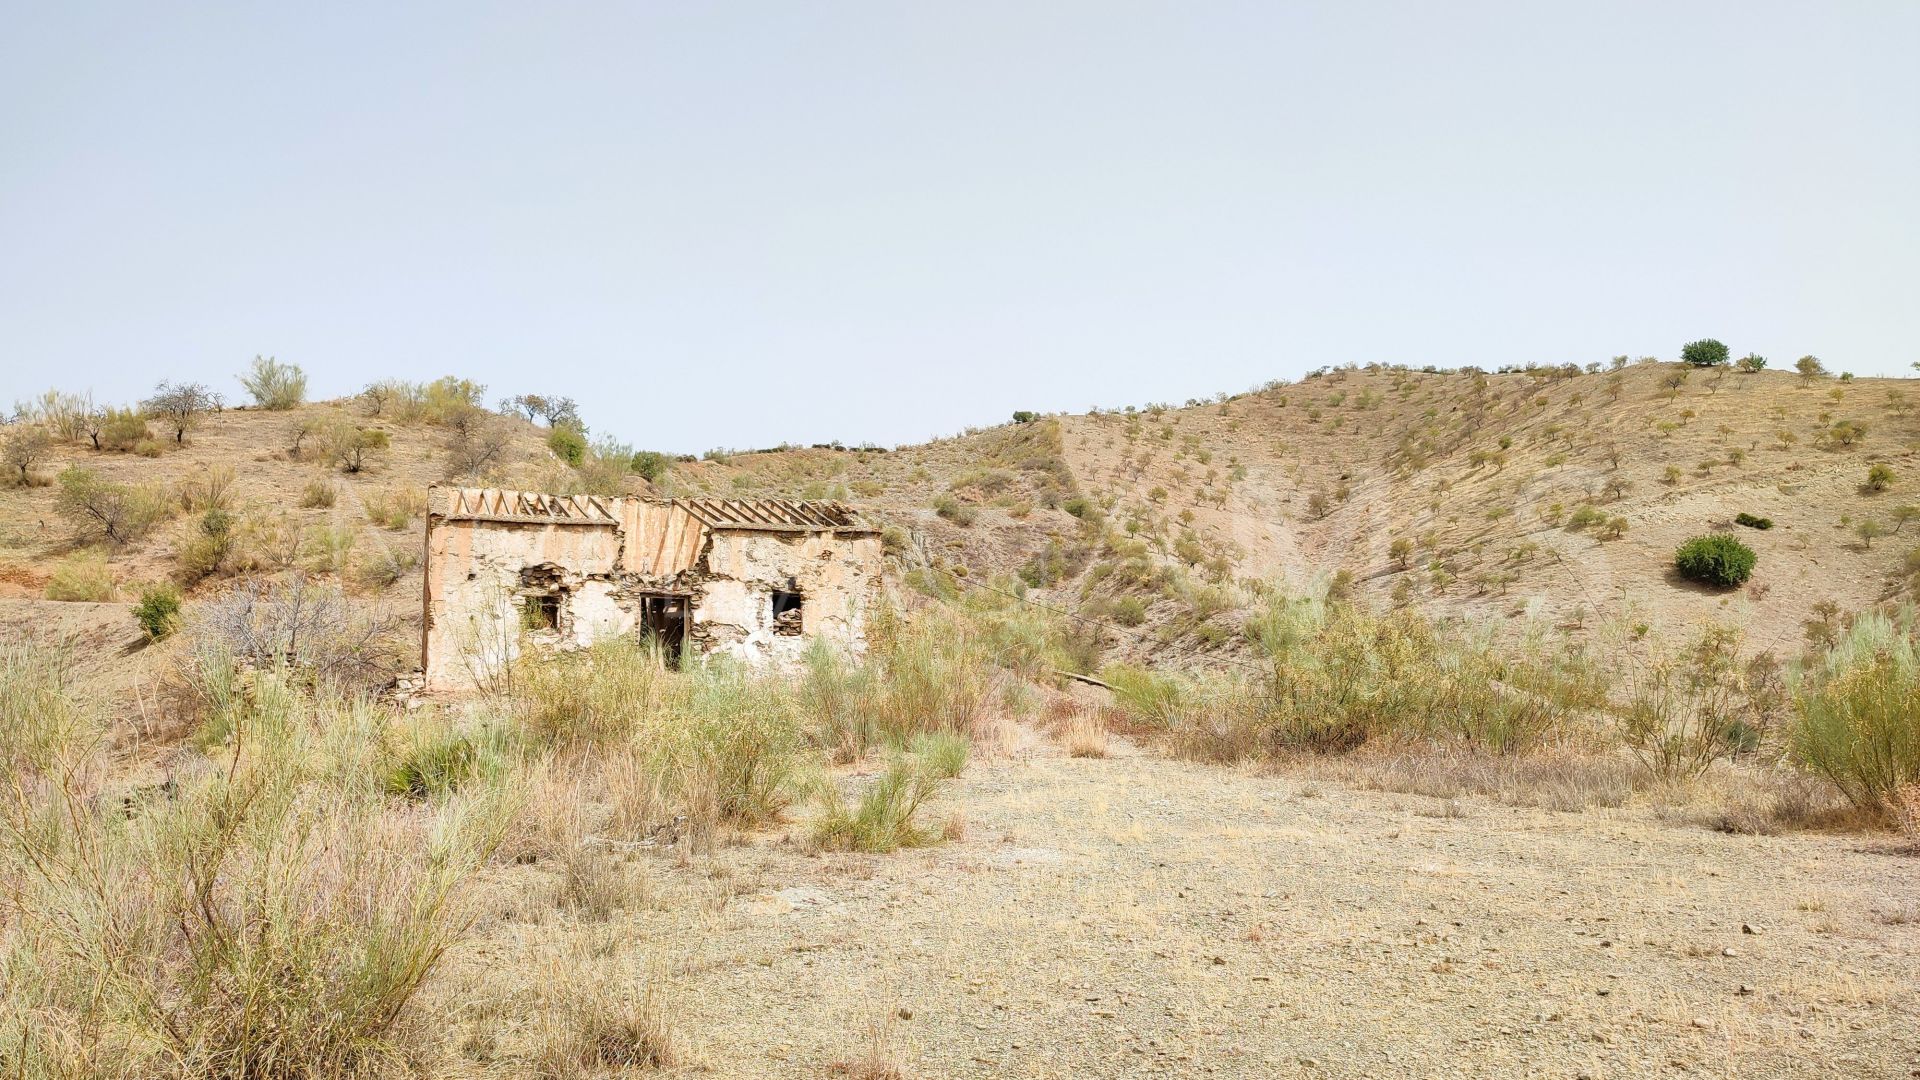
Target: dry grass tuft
[602, 1017]
[879, 1059]
[1085, 736]
[1563, 780]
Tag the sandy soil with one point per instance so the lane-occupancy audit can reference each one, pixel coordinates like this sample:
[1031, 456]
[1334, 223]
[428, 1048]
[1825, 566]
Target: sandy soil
[1136, 916]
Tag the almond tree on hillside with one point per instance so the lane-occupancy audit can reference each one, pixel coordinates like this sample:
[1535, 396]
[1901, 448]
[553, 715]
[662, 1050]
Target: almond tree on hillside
[24, 447]
[181, 406]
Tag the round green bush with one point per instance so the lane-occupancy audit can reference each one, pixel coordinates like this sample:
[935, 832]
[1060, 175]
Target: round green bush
[157, 611]
[1716, 560]
[1706, 352]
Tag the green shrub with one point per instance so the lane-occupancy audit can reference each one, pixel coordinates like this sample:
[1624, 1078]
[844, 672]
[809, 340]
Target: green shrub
[158, 610]
[1752, 522]
[1879, 476]
[718, 738]
[650, 465]
[568, 443]
[1586, 515]
[349, 446]
[1715, 559]
[449, 400]
[1859, 711]
[208, 547]
[1706, 352]
[936, 673]
[433, 764]
[1128, 610]
[1339, 677]
[42, 722]
[123, 430]
[954, 510]
[1684, 710]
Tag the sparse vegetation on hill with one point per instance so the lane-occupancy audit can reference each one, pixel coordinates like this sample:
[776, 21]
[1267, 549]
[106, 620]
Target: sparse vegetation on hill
[1448, 586]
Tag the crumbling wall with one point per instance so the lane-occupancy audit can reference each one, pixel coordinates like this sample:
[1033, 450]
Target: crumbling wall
[479, 574]
[836, 575]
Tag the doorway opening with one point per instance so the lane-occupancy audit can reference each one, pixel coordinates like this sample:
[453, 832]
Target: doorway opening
[663, 619]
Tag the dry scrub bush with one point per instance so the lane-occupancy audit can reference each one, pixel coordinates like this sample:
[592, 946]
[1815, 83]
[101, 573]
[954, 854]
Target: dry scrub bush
[101, 510]
[1684, 711]
[274, 385]
[211, 545]
[328, 549]
[395, 399]
[1859, 712]
[270, 913]
[23, 447]
[477, 443]
[1567, 779]
[349, 447]
[386, 564]
[1338, 677]
[319, 494]
[209, 488]
[42, 726]
[396, 509]
[306, 629]
[932, 674]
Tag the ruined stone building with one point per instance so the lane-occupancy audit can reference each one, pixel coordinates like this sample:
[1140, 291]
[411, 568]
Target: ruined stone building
[757, 579]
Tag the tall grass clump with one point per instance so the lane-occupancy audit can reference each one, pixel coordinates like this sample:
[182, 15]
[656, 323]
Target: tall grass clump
[933, 673]
[82, 576]
[716, 739]
[271, 915]
[883, 818]
[1858, 712]
[41, 723]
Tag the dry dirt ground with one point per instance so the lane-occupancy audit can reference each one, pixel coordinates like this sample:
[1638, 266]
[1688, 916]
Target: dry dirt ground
[1136, 916]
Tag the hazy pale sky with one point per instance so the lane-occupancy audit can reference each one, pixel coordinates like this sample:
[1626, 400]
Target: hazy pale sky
[733, 223]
